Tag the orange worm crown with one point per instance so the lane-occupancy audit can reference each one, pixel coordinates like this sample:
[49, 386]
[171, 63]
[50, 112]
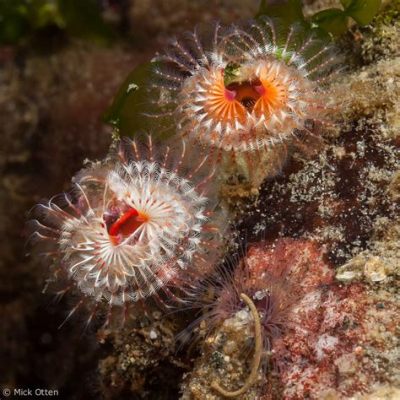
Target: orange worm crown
[244, 87]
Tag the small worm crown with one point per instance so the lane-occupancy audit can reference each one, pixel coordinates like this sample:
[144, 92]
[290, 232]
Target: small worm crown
[275, 276]
[130, 226]
[273, 295]
[245, 87]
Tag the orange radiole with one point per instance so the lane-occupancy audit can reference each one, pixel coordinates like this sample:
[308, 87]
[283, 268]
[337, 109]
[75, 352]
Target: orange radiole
[260, 95]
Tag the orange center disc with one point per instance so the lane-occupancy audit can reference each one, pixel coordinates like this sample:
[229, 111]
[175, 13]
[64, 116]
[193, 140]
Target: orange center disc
[232, 103]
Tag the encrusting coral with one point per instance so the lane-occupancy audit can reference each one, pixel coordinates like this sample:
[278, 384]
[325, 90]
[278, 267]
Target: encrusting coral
[274, 279]
[338, 341]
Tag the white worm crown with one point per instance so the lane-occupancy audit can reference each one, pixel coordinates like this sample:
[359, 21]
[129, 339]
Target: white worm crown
[129, 227]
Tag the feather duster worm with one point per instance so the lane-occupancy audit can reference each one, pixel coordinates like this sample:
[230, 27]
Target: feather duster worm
[245, 87]
[131, 225]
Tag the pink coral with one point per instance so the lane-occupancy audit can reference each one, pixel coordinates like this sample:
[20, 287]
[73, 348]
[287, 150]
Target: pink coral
[333, 344]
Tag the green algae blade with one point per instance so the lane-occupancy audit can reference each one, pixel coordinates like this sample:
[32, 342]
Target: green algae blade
[132, 105]
[290, 11]
[332, 20]
[83, 19]
[362, 11]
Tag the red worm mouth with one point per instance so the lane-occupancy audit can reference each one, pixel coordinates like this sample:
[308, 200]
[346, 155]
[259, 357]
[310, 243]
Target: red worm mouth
[125, 225]
[246, 93]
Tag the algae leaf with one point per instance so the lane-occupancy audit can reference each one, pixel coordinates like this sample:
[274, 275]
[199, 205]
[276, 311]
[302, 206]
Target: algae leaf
[362, 11]
[128, 104]
[332, 20]
[14, 22]
[290, 11]
[83, 19]
[128, 113]
[21, 19]
[44, 13]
